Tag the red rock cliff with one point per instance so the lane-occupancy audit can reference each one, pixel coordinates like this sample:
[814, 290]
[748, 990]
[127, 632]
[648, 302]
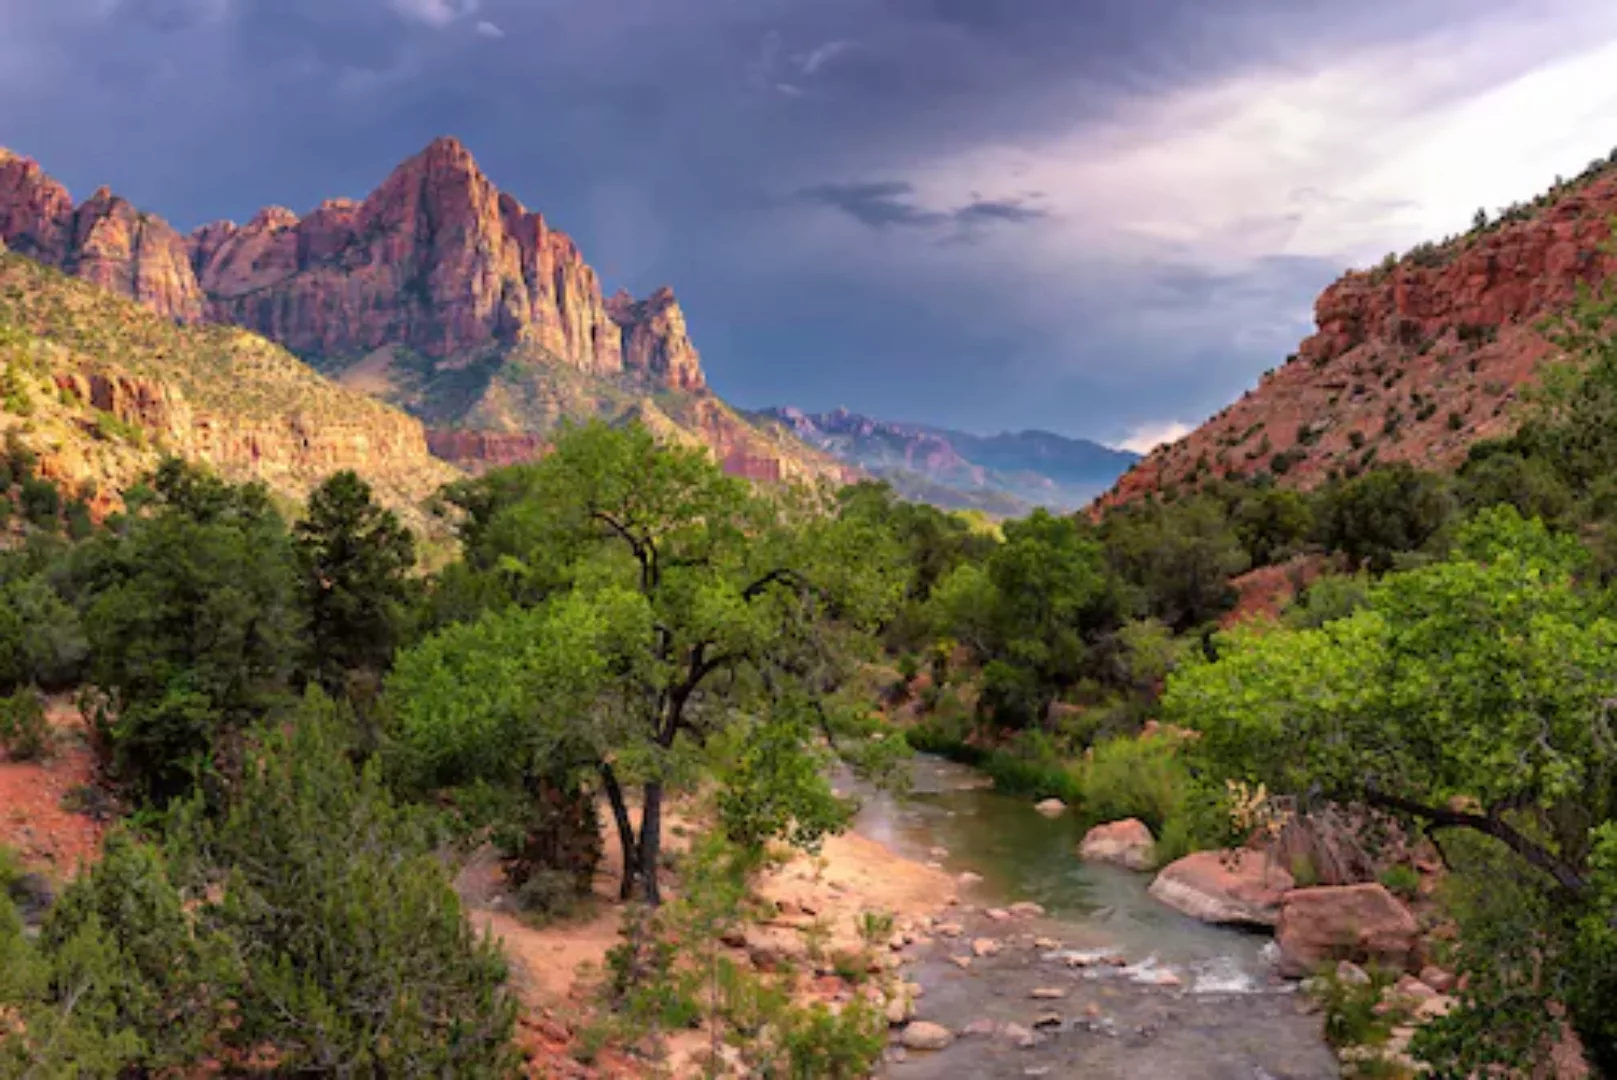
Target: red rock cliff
[436, 259]
[1411, 363]
[655, 340]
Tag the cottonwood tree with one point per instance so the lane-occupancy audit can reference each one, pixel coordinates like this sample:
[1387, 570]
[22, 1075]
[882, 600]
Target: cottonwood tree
[659, 608]
[1475, 695]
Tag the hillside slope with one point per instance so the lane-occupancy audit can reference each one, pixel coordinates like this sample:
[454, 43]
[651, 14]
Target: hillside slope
[437, 292]
[1002, 474]
[100, 387]
[1412, 361]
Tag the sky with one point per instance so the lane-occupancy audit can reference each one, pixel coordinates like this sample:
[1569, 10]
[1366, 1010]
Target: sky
[1104, 218]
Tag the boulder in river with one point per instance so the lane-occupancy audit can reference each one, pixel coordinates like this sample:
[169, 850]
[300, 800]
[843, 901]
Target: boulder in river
[1239, 886]
[1126, 843]
[925, 1035]
[1362, 923]
[1051, 807]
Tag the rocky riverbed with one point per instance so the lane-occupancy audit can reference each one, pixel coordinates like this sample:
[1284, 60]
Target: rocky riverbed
[1047, 966]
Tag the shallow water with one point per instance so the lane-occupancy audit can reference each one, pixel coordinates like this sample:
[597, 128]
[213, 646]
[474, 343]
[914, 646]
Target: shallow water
[1229, 1016]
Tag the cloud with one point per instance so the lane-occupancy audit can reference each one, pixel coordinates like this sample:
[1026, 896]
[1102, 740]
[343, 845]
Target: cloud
[815, 59]
[435, 13]
[1147, 437]
[1015, 211]
[489, 30]
[877, 204]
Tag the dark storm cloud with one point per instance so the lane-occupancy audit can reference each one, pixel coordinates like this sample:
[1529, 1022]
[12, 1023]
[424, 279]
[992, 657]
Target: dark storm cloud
[687, 141]
[877, 204]
[883, 203]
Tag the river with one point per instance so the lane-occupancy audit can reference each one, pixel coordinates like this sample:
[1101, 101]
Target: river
[1228, 1018]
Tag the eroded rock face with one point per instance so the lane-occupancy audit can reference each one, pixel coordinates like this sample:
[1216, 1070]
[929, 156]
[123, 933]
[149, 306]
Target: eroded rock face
[1127, 843]
[1361, 923]
[105, 241]
[655, 340]
[1224, 887]
[1415, 362]
[436, 259]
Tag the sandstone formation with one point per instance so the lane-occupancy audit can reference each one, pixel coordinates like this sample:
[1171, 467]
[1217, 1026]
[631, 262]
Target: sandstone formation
[1241, 887]
[1361, 923]
[455, 281]
[1127, 843]
[113, 386]
[1413, 361]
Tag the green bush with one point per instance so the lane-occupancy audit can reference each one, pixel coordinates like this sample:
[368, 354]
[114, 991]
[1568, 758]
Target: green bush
[1401, 880]
[24, 732]
[1134, 778]
[822, 1045]
[41, 502]
[1350, 1008]
[120, 982]
[358, 959]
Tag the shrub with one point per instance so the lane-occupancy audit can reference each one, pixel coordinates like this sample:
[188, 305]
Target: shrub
[1350, 1009]
[41, 502]
[357, 957]
[1401, 880]
[24, 731]
[1134, 778]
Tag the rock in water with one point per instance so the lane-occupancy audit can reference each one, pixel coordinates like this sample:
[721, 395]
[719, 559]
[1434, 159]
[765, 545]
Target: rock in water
[925, 1035]
[1224, 887]
[1051, 807]
[1362, 923]
[1125, 843]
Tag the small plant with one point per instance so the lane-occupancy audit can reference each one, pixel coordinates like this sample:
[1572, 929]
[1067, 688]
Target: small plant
[875, 927]
[1401, 880]
[24, 731]
[1303, 871]
[1349, 1006]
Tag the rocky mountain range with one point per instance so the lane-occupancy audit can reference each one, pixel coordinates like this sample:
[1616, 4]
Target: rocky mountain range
[1006, 474]
[1414, 360]
[437, 293]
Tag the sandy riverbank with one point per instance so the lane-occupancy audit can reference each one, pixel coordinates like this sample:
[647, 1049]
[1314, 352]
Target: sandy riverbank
[556, 969]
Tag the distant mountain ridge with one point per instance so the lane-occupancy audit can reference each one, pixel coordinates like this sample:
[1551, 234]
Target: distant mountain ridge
[1003, 474]
[437, 293]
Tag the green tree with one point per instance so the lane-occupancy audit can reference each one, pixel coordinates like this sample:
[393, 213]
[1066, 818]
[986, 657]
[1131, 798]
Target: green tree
[680, 602]
[193, 624]
[355, 559]
[1384, 513]
[1176, 560]
[1471, 694]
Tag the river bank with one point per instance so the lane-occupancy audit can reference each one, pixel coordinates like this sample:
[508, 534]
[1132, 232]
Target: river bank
[1031, 962]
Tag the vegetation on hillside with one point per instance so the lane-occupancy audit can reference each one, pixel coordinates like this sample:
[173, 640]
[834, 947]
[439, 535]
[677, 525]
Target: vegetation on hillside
[297, 719]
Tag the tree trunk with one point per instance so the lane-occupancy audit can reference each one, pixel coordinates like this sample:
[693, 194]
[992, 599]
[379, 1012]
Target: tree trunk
[651, 837]
[626, 839]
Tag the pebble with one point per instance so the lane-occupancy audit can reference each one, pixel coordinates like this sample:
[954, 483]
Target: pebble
[961, 962]
[950, 929]
[998, 914]
[1047, 993]
[1047, 1020]
[1047, 944]
[939, 853]
[980, 1028]
[1020, 1035]
[969, 878]
[984, 947]
[1027, 908]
